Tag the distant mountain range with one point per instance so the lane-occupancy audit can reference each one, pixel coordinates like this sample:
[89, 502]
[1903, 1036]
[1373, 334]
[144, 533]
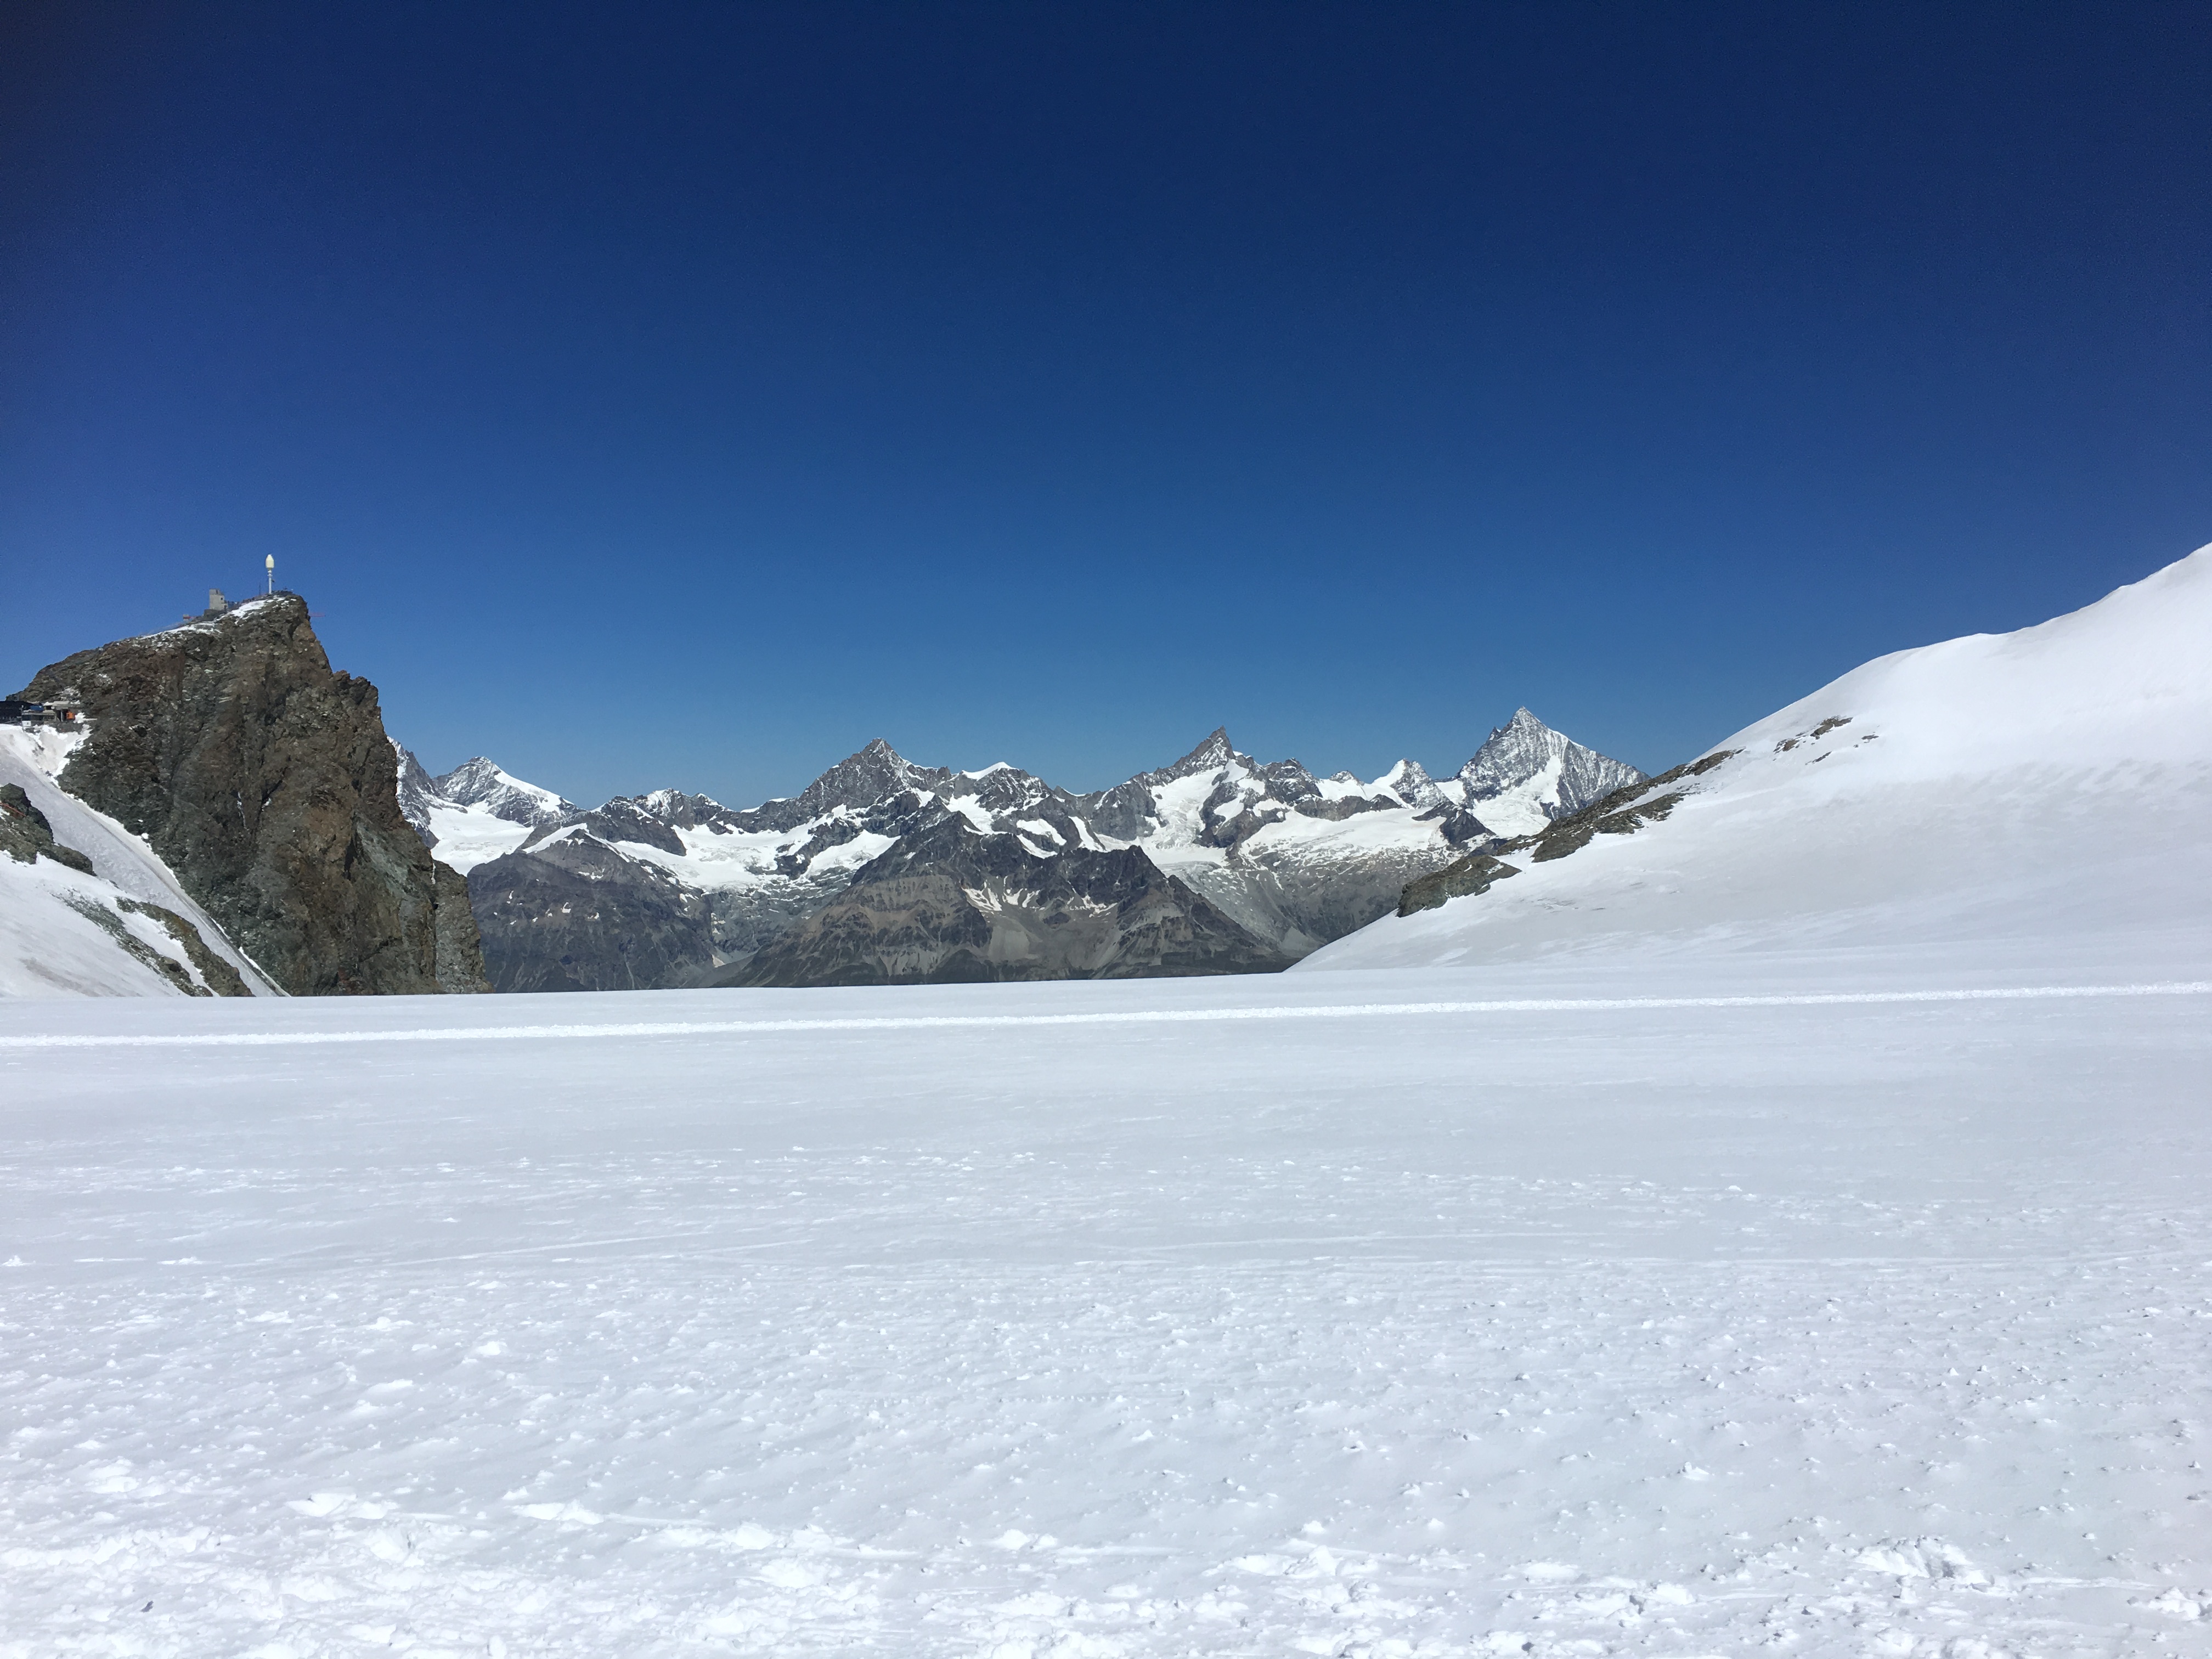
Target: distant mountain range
[882, 872]
[210, 810]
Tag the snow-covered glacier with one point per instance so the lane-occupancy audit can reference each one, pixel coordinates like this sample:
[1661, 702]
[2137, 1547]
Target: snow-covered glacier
[1843, 1302]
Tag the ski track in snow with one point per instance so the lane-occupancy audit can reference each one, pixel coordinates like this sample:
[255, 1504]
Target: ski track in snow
[1811, 1321]
[1128, 1016]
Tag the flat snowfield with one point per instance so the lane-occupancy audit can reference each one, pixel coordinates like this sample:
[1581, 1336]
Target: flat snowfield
[1810, 1305]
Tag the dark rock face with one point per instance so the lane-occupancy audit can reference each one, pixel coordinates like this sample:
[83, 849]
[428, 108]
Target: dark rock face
[26, 835]
[626, 820]
[949, 904]
[266, 783]
[458, 964]
[1473, 874]
[572, 914]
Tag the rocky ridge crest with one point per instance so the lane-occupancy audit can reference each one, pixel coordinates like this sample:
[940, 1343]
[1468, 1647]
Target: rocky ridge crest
[1283, 861]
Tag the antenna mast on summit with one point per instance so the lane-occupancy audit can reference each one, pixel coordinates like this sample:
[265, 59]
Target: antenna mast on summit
[271, 563]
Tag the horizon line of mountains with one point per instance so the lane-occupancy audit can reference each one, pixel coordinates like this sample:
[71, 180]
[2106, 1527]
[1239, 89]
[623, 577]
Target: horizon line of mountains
[249, 800]
[883, 871]
[210, 810]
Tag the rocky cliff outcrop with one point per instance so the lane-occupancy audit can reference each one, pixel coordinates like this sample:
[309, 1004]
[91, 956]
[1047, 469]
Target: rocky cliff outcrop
[26, 836]
[265, 782]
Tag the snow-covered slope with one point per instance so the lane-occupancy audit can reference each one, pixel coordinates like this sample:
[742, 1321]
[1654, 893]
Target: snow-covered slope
[2053, 783]
[69, 933]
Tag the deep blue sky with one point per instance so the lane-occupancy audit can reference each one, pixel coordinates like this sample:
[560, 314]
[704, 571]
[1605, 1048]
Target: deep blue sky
[657, 395]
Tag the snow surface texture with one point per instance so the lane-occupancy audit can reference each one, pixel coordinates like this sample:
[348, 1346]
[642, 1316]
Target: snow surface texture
[50, 945]
[1559, 1310]
[2054, 781]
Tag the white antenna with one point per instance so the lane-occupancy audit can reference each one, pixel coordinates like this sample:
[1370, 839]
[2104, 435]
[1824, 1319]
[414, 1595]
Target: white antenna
[270, 562]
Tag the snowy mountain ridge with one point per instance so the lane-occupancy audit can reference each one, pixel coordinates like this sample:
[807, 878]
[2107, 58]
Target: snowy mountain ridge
[476, 810]
[1289, 859]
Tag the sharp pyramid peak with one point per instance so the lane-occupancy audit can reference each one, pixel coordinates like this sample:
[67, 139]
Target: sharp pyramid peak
[869, 775]
[477, 769]
[1514, 744]
[875, 754]
[1214, 751]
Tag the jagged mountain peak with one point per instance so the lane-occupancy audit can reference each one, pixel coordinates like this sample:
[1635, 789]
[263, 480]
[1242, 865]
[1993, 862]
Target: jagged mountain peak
[1000, 788]
[869, 775]
[1212, 753]
[479, 771]
[1510, 754]
[481, 781]
[674, 807]
[1527, 773]
[1521, 734]
[1410, 782]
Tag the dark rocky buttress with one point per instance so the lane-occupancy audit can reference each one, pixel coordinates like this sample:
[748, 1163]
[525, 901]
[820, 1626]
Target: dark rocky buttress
[265, 782]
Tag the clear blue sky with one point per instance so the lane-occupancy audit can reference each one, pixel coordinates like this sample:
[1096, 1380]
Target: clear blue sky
[686, 395]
